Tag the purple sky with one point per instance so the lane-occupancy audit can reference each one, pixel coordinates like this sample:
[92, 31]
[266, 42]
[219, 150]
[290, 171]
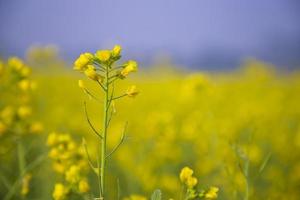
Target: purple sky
[193, 32]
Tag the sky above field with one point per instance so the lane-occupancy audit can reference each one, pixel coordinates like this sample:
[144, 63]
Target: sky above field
[196, 33]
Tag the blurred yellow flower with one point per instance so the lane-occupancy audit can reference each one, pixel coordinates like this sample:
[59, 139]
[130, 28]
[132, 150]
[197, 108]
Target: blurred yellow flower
[24, 84]
[91, 73]
[130, 66]
[135, 197]
[36, 127]
[81, 84]
[82, 61]
[132, 91]
[83, 186]
[25, 184]
[185, 173]
[116, 51]
[103, 55]
[212, 193]
[59, 192]
[191, 182]
[24, 111]
[52, 139]
[72, 175]
[15, 63]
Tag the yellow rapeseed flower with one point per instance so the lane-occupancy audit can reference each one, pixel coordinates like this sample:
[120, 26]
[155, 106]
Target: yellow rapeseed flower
[212, 193]
[185, 173]
[92, 74]
[73, 174]
[82, 61]
[116, 51]
[191, 182]
[24, 84]
[60, 192]
[15, 63]
[83, 186]
[135, 197]
[103, 55]
[81, 84]
[24, 111]
[132, 91]
[1, 67]
[36, 127]
[52, 139]
[25, 184]
[130, 66]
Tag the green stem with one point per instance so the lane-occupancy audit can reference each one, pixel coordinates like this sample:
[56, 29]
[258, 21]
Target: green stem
[246, 174]
[103, 145]
[21, 157]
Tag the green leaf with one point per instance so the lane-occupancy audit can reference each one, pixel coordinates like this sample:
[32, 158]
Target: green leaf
[156, 195]
[264, 163]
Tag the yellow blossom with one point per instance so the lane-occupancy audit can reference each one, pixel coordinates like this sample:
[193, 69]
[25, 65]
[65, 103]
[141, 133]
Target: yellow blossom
[60, 192]
[130, 66]
[116, 51]
[135, 197]
[92, 74]
[212, 193]
[25, 184]
[185, 173]
[36, 127]
[83, 186]
[191, 182]
[81, 84]
[24, 111]
[16, 63]
[103, 55]
[82, 61]
[24, 84]
[25, 71]
[1, 67]
[73, 174]
[132, 91]
[52, 139]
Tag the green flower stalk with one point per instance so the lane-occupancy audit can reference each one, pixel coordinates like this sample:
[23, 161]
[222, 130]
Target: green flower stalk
[101, 68]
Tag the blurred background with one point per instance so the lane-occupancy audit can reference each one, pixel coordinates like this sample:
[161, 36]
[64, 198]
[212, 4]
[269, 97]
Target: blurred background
[198, 34]
[219, 86]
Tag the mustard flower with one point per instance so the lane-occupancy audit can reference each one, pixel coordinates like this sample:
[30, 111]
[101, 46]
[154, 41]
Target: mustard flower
[116, 51]
[36, 127]
[25, 184]
[15, 63]
[52, 139]
[212, 193]
[132, 91]
[83, 186]
[103, 55]
[185, 173]
[60, 192]
[82, 61]
[81, 84]
[191, 182]
[73, 174]
[92, 74]
[128, 67]
[24, 84]
[24, 111]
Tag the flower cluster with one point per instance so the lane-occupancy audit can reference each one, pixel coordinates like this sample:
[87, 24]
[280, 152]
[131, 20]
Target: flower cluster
[100, 66]
[186, 177]
[68, 161]
[17, 124]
